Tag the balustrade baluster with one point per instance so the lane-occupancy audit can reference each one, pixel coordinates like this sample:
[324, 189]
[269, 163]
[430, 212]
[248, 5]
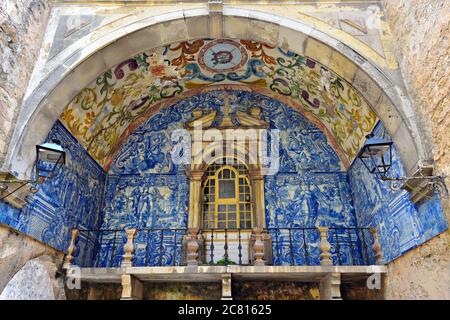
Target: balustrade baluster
[376, 246]
[288, 234]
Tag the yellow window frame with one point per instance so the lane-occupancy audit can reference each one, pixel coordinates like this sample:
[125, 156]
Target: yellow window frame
[228, 201]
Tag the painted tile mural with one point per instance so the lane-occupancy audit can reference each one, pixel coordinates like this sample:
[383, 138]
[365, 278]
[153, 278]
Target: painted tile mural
[103, 114]
[309, 191]
[72, 198]
[401, 224]
[146, 190]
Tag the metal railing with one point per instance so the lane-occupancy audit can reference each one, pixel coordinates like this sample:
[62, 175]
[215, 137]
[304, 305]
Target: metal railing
[300, 246]
[351, 246]
[103, 248]
[226, 246]
[159, 247]
[292, 246]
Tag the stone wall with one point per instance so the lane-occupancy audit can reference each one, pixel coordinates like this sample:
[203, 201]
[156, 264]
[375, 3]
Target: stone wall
[279, 290]
[17, 249]
[183, 291]
[241, 290]
[423, 273]
[421, 29]
[95, 291]
[36, 280]
[22, 26]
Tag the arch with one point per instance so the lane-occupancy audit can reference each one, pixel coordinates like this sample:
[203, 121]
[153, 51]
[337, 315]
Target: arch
[79, 64]
[36, 280]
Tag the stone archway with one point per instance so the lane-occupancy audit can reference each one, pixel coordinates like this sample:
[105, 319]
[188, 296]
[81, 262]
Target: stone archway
[35, 281]
[82, 62]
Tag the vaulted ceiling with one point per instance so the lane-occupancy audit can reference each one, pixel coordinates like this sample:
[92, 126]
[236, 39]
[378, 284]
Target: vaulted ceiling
[105, 113]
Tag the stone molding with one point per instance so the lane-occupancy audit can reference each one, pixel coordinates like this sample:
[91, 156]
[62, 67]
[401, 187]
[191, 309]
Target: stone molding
[76, 66]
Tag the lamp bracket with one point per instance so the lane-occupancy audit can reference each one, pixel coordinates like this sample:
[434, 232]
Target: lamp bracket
[17, 192]
[420, 186]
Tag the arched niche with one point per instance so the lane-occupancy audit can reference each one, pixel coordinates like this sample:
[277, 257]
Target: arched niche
[78, 65]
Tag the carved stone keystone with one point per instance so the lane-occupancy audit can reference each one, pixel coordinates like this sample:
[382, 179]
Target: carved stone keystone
[71, 249]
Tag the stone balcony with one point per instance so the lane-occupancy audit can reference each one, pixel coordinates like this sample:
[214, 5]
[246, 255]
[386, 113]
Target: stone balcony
[327, 257]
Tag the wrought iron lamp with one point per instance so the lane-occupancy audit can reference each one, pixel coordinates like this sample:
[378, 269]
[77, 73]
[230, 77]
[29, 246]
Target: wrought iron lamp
[376, 155]
[48, 156]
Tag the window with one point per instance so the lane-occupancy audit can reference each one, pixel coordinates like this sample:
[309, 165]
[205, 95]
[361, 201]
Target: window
[227, 197]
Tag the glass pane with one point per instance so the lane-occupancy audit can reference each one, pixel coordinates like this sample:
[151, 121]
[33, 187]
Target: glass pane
[227, 189]
[222, 225]
[232, 216]
[231, 224]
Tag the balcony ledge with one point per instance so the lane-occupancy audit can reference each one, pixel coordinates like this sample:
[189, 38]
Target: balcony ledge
[214, 273]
